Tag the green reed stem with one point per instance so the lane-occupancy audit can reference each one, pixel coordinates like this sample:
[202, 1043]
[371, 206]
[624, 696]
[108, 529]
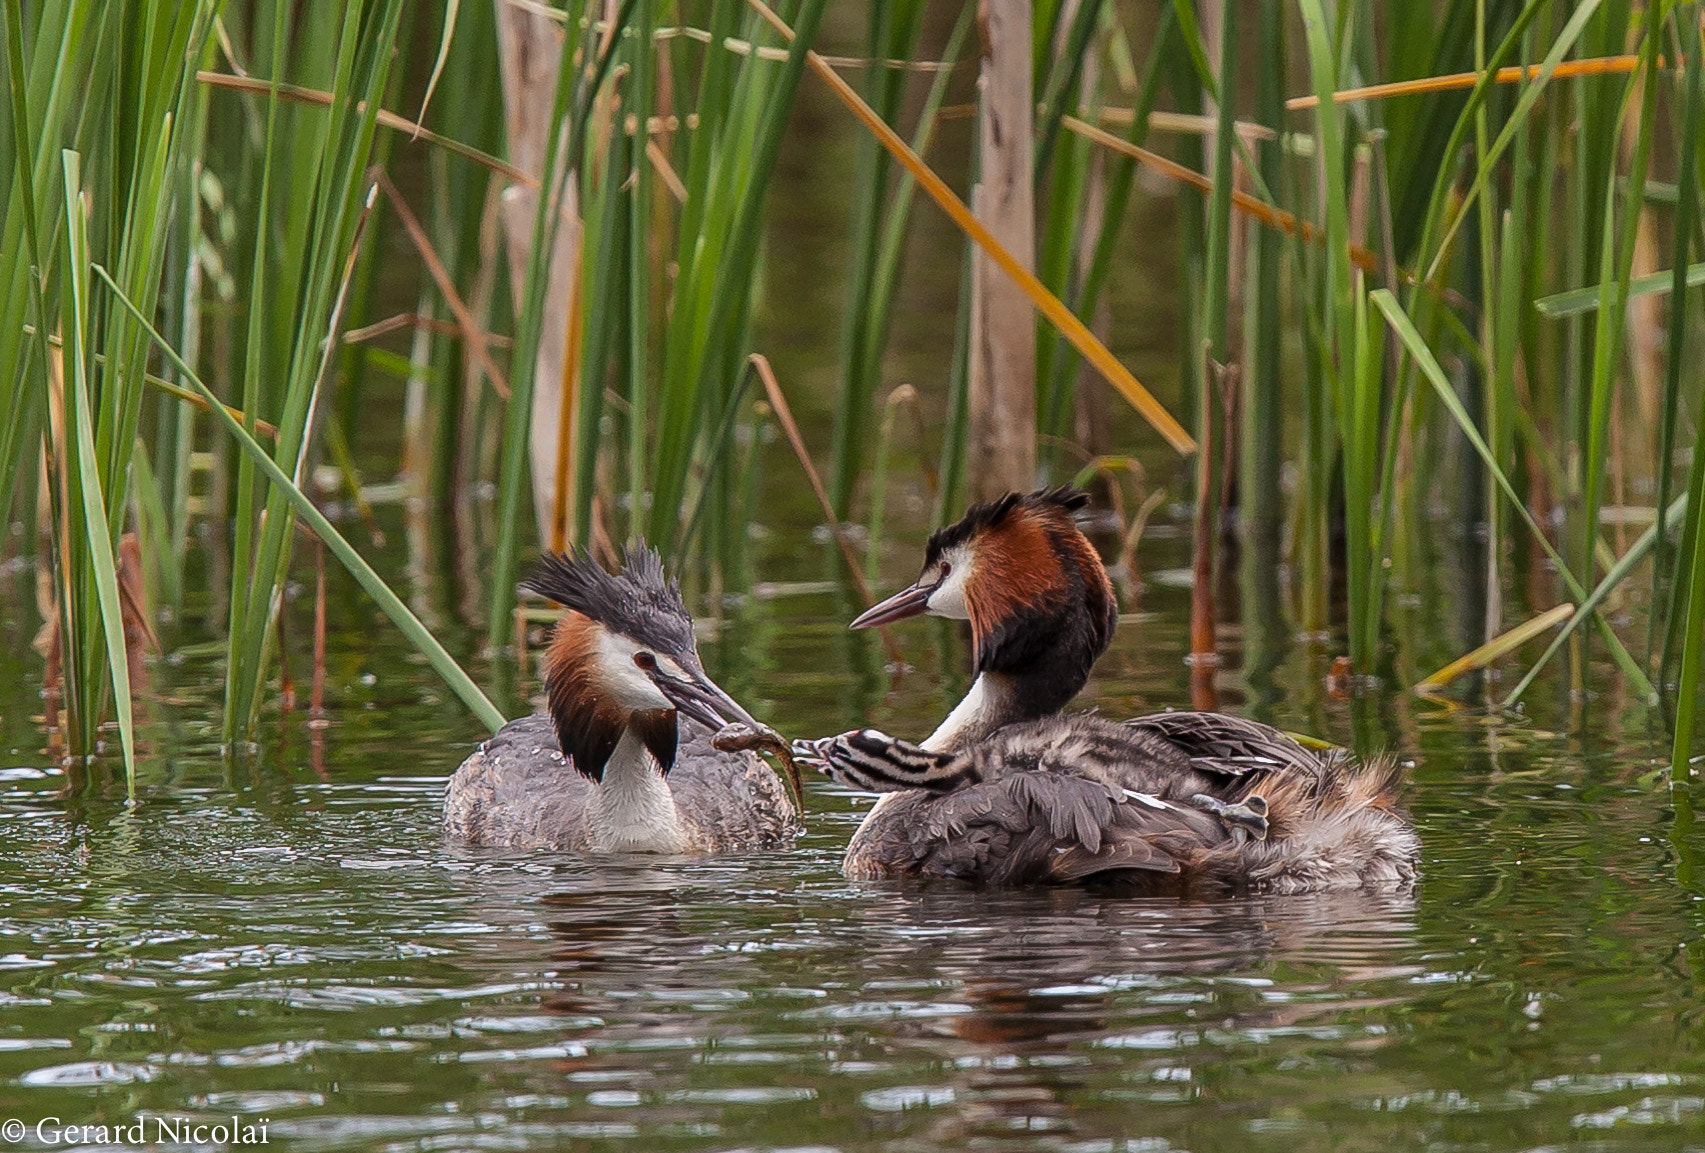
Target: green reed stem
[418, 635]
[1668, 578]
[1615, 264]
[99, 581]
[893, 33]
[1612, 579]
[1435, 376]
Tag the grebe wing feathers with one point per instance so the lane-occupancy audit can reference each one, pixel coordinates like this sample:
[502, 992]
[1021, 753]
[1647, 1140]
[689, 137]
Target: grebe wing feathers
[1218, 803]
[1024, 828]
[1125, 762]
[1229, 746]
[517, 790]
[730, 801]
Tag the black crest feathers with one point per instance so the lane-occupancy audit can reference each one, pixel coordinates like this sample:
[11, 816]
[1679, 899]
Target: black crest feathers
[980, 518]
[639, 602]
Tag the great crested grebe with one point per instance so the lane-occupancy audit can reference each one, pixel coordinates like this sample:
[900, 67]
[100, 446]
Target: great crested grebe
[1005, 792]
[623, 761]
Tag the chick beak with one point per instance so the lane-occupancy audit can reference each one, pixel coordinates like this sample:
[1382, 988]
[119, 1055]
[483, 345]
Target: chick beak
[702, 699]
[906, 603]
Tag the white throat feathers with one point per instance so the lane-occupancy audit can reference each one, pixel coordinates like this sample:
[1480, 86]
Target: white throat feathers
[632, 809]
[986, 707]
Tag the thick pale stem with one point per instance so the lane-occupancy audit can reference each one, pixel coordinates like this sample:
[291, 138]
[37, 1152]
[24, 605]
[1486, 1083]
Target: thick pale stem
[1002, 449]
[530, 48]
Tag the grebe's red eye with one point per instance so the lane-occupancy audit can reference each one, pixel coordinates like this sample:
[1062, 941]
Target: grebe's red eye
[645, 661]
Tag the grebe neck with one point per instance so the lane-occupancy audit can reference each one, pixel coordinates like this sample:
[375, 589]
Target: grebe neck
[1039, 688]
[986, 707]
[632, 809]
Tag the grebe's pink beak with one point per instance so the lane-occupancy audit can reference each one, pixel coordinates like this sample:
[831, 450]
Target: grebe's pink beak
[907, 603]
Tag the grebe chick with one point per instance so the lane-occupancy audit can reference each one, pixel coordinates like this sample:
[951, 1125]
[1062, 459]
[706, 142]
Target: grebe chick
[623, 761]
[1005, 793]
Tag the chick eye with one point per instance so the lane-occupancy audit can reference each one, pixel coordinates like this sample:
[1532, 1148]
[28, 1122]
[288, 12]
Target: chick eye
[945, 569]
[645, 661]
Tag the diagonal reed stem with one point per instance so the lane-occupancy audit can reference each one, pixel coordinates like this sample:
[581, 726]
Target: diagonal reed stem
[392, 606]
[784, 415]
[1046, 302]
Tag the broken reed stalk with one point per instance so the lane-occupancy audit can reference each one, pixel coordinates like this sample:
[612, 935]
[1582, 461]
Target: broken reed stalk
[286, 682]
[1000, 453]
[1495, 649]
[1514, 74]
[471, 331]
[265, 428]
[317, 693]
[391, 120]
[1276, 218]
[904, 395]
[568, 418]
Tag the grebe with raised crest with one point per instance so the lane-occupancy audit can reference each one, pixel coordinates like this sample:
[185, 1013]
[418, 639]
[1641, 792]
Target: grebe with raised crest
[623, 760]
[1008, 792]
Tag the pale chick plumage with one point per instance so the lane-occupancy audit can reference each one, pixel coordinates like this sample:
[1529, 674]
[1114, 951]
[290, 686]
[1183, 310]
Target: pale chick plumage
[1008, 792]
[623, 760]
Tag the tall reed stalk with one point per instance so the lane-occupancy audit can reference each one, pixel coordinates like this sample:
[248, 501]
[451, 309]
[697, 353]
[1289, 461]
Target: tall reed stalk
[1429, 292]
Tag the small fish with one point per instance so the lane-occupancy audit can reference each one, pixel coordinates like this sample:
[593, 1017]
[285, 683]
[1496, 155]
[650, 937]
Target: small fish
[743, 738]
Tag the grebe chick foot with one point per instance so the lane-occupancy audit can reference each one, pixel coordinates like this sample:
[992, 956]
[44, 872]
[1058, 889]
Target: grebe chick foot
[1247, 816]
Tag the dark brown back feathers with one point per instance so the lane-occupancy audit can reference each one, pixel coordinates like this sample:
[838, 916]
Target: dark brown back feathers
[1065, 798]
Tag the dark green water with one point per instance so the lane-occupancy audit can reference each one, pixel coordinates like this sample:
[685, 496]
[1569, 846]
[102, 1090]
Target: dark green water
[267, 939]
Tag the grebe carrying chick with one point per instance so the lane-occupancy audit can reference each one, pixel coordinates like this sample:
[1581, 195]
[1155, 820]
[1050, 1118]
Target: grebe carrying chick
[1008, 792]
[623, 761]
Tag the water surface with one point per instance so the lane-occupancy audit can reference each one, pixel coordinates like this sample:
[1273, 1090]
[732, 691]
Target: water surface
[284, 936]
